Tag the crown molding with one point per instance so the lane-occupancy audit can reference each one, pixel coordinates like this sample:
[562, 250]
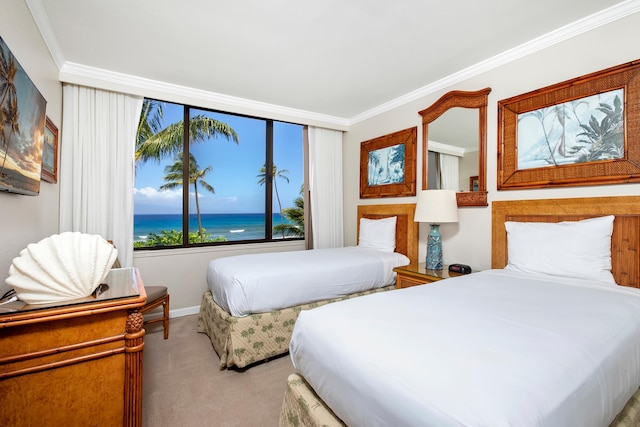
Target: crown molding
[80, 74]
[576, 28]
[48, 35]
[447, 149]
[110, 80]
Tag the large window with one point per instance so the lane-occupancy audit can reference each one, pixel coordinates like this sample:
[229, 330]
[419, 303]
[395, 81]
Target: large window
[244, 178]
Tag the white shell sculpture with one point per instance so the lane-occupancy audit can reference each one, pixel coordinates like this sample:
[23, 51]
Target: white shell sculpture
[61, 267]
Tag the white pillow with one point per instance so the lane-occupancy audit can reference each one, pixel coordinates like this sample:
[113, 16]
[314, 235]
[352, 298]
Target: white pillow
[579, 249]
[379, 234]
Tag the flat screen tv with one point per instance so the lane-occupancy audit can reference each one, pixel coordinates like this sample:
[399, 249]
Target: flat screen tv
[22, 117]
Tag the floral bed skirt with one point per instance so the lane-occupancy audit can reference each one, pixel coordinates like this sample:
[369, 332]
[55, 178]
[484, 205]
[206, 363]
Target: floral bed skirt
[241, 341]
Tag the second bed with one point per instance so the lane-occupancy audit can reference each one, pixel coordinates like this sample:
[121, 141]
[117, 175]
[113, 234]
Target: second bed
[246, 324]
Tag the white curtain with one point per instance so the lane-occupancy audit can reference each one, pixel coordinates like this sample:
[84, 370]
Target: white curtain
[325, 187]
[97, 165]
[449, 172]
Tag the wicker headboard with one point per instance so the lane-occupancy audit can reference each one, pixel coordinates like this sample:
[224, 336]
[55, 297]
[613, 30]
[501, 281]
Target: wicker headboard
[625, 241]
[406, 227]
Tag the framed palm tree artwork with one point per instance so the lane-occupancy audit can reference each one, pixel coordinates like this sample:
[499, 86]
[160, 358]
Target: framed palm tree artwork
[22, 114]
[585, 131]
[388, 165]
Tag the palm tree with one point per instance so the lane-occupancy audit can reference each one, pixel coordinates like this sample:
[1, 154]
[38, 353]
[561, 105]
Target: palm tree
[275, 173]
[374, 168]
[154, 143]
[8, 70]
[396, 157]
[296, 216]
[150, 122]
[173, 179]
[8, 101]
[10, 116]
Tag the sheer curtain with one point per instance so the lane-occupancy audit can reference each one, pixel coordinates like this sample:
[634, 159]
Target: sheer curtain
[325, 187]
[97, 165]
[449, 172]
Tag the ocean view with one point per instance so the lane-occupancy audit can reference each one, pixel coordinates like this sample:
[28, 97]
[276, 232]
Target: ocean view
[231, 226]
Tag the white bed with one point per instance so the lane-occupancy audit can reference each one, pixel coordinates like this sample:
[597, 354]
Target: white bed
[525, 332]
[258, 283]
[502, 347]
[253, 300]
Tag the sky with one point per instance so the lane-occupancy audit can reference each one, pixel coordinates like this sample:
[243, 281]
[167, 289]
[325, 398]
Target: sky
[234, 169]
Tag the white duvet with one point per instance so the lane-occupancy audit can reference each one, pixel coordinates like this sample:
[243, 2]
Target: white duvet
[494, 348]
[259, 283]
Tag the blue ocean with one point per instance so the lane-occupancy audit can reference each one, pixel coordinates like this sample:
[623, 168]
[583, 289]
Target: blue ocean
[231, 226]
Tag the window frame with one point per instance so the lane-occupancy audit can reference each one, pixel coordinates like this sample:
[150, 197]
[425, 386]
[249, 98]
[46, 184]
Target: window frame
[268, 208]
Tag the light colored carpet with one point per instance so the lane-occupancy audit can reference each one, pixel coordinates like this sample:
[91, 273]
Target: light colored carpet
[183, 384]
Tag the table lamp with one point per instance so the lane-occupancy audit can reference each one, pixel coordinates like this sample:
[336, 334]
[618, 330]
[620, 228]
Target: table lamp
[436, 207]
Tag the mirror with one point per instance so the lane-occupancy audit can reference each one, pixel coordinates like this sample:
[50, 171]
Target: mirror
[449, 103]
[453, 150]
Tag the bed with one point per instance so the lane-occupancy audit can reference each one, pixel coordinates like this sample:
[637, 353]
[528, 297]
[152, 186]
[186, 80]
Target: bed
[253, 328]
[507, 346]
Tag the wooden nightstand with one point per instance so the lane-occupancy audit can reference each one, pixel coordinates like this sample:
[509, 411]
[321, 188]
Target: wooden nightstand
[413, 275]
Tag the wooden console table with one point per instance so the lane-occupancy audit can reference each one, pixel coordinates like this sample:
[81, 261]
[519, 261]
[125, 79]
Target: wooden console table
[77, 362]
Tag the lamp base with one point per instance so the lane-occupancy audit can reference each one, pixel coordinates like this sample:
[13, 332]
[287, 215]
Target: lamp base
[434, 248]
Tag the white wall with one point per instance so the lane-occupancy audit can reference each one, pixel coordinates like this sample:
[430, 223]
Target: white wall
[28, 219]
[469, 241]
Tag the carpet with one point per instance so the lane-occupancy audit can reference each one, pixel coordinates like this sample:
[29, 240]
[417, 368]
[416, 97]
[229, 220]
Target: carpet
[183, 384]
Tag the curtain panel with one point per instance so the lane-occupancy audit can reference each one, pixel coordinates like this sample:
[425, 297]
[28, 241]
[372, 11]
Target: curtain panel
[449, 172]
[325, 187]
[97, 165]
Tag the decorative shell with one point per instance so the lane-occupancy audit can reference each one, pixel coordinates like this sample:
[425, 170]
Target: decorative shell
[61, 267]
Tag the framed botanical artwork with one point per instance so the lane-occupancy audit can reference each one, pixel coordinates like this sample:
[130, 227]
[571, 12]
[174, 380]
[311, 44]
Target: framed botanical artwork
[49, 171]
[584, 131]
[388, 165]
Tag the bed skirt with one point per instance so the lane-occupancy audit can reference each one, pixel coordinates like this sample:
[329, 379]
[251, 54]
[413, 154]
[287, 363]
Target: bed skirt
[241, 341]
[302, 407]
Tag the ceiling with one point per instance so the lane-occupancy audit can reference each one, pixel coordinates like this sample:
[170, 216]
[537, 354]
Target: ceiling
[335, 58]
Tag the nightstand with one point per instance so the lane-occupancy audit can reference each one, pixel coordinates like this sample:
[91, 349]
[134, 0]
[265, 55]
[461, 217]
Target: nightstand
[413, 275]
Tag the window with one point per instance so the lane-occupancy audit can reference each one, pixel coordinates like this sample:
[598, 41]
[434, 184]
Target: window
[244, 174]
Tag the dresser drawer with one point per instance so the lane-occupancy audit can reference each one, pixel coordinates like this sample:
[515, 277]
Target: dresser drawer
[405, 282]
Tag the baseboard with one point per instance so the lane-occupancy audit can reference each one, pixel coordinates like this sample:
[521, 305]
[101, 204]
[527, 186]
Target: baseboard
[188, 311]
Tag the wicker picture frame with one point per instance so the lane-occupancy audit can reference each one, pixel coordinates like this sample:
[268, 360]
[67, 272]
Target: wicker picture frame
[49, 171]
[394, 156]
[615, 122]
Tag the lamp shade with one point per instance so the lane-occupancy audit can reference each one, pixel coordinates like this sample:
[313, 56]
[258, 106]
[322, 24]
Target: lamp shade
[436, 207]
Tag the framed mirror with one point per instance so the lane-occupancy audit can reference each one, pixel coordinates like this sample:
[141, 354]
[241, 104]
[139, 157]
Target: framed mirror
[452, 102]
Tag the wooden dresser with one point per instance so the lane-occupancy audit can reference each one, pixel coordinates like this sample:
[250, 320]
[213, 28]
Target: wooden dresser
[75, 363]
